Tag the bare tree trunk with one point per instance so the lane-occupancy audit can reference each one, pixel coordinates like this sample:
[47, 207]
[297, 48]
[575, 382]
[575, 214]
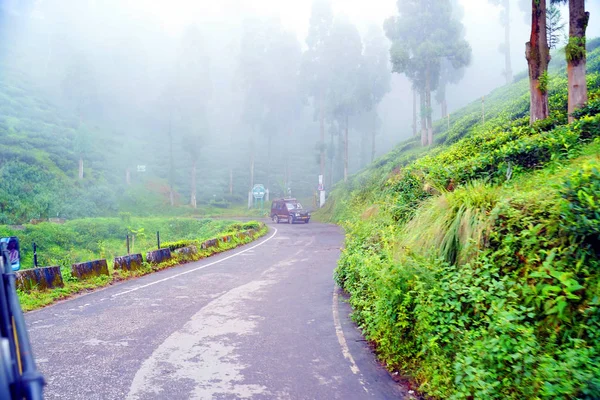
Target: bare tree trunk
[538, 57]
[269, 146]
[483, 109]
[373, 146]
[193, 202]
[576, 57]
[346, 151]
[322, 132]
[428, 105]
[444, 107]
[287, 171]
[363, 148]
[414, 124]
[507, 61]
[80, 167]
[171, 165]
[251, 163]
[230, 165]
[332, 161]
[423, 119]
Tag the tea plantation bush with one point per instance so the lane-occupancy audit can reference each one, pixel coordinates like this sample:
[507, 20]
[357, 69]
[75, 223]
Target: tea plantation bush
[473, 267]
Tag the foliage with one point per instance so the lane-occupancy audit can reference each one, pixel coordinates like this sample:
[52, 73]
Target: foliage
[575, 49]
[36, 299]
[473, 267]
[582, 211]
[86, 239]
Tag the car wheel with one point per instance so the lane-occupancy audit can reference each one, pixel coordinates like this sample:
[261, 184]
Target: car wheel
[276, 219]
[306, 222]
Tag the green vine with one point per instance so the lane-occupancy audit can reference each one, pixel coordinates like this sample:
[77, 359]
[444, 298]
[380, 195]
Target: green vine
[543, 82]
[575, 49]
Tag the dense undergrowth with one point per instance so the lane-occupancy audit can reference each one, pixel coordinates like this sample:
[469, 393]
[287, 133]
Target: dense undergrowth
[473, 266]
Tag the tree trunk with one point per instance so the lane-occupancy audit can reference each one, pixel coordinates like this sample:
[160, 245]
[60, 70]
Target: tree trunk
[171, 165]
[269, 146]
[538, 57]
[444, 108]
[331, 161]
[193, 202]
[507, 61]
[423, 119]
[428, 106]
[414, 124]
[80, 167]
[364, 137]
[576, 57]
[251, 164]
[346, 151]
[287, 170]
[322, 132]
[373, 146]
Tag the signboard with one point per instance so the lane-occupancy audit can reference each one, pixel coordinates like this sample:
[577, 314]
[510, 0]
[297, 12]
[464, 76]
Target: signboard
[141, 168]
[258, 191]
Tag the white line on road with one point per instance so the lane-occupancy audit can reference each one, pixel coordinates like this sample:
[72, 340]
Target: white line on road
[342, 339]
[196, 269]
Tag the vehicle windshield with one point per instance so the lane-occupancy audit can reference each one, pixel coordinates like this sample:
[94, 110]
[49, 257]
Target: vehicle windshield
[293, 206]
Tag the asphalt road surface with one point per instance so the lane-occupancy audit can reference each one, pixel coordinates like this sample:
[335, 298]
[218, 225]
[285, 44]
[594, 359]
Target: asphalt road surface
[263, 321]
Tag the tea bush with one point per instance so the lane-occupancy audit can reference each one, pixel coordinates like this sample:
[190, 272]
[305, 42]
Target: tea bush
[473, 266]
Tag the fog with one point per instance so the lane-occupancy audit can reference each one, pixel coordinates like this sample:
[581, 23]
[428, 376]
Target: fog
[218, 93]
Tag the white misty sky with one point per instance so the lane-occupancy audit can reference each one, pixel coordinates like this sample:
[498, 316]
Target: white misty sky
[483, 31]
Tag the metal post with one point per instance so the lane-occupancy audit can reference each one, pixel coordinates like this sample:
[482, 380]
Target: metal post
[35, 261]
[158, 239]
[127, 244]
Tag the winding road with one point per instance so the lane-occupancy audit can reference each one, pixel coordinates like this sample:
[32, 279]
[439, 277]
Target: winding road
[263, 321]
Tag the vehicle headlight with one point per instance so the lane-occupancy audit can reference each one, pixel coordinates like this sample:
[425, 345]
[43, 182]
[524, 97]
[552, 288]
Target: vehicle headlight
[297, 214]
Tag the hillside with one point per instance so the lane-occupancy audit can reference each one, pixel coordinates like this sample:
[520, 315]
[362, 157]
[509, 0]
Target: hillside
[473, 266]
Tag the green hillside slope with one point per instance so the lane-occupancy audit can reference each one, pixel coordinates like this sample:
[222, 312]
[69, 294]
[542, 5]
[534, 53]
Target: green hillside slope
[473, 266]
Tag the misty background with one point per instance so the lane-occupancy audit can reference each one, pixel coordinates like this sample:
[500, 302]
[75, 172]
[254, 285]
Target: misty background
[213, 96]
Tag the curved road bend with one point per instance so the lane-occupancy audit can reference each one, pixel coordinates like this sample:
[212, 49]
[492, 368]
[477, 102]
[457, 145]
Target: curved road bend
[259, 322]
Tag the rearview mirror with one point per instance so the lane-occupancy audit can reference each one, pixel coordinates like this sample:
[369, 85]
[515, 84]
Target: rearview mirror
[11, 244]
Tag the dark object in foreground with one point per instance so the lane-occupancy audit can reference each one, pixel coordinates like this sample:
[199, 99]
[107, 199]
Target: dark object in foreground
[19, 377]
[289, 210]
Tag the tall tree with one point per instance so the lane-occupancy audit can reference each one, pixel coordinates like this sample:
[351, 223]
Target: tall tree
[282, 66]
[554, 26]
[576, 54]
[377, 76]
[423, 35]
[505, 47]
[449, 74]
[79, 91]
[346, 95]
[315, 71]
[193, 89]
[269, 64]
[538, 57]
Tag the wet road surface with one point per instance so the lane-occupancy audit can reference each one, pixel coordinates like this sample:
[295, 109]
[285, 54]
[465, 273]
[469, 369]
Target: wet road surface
[263, 321]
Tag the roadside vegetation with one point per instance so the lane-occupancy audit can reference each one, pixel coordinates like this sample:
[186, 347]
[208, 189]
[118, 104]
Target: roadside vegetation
[105, 238]
[472, 266]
